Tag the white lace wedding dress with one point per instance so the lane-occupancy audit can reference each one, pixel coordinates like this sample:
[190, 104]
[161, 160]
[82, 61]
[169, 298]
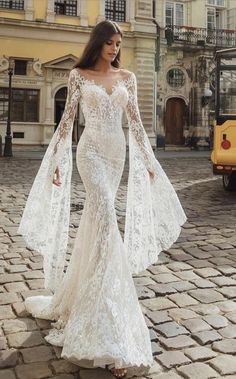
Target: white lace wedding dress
[95, 306]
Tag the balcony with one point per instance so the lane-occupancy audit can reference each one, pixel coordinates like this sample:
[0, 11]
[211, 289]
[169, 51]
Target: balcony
[200, 36]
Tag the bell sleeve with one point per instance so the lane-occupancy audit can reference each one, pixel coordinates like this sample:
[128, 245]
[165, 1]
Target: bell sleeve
[154, 214]
[136, 128]
[45, 220]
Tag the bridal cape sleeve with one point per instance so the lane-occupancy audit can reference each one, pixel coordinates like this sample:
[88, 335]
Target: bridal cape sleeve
[45, 221]
[154, 214]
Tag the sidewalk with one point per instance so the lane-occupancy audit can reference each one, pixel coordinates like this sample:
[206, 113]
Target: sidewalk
[188, 297]
[37, 152]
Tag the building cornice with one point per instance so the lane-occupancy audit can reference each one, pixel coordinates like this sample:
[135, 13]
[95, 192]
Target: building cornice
[24, 29]
[41, 24]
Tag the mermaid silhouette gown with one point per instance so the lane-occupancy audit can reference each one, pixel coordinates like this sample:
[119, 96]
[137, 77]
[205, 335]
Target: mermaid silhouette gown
[95, 305]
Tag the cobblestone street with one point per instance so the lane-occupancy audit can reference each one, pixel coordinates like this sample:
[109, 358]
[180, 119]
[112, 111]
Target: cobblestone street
[188, 297]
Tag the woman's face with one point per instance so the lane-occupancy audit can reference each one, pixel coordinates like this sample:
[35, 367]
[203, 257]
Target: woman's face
[111, 48]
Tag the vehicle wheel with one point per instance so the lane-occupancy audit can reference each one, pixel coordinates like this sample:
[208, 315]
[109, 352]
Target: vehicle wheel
[229, 182]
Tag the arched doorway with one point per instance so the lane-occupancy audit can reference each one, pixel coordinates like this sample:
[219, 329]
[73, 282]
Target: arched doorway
[174, 121]
[60, 101]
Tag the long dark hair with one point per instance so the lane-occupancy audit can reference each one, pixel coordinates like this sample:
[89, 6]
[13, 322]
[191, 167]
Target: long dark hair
[100, 34]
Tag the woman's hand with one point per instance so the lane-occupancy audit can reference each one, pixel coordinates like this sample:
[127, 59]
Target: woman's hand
[56, 178]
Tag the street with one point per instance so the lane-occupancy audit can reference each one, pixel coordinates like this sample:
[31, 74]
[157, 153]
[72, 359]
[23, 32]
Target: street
[188, 297]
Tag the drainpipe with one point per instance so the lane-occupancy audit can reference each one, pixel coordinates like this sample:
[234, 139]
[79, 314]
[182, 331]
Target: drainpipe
[157, 54]
[157, 67]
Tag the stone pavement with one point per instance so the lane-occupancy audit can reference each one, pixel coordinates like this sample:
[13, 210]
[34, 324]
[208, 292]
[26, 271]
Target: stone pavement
[188, 297]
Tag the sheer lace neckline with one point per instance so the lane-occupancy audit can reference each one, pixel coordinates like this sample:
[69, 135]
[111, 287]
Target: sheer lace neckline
[100, 85]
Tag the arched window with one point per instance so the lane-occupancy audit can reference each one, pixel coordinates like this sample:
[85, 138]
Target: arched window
[61, 94]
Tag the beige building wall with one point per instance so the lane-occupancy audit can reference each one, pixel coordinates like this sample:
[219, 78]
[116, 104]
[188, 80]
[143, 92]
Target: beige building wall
[187, 49]
[231, 14]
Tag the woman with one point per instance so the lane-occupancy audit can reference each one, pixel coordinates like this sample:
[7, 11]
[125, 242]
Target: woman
[98, 317]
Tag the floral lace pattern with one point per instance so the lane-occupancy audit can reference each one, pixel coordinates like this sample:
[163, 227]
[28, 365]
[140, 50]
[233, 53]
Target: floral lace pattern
[95, 305]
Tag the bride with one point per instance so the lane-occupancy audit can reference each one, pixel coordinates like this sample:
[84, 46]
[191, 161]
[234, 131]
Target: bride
[94, 304]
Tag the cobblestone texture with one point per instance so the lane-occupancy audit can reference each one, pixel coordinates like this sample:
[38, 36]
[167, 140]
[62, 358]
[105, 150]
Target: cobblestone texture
[188, 297]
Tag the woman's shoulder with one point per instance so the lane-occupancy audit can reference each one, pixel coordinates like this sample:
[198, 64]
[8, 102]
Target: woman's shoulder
[77, 74]
[75, 71]
[79, 71]
[126, 74]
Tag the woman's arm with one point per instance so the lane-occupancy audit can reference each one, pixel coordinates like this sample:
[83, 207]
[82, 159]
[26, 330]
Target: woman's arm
[67, 120]
[136, 126]
[65, 127]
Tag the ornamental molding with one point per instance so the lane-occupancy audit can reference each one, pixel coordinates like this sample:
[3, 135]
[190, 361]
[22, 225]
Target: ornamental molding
[4, 63]
[62, 63]
[37, 67]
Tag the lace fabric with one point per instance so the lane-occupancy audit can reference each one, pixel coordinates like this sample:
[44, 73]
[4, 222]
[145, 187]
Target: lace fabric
[95, 320]
[137, 132]
[45, 221]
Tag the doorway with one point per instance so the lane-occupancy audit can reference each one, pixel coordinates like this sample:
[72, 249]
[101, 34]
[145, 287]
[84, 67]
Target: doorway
[174, 121]
[60, 102]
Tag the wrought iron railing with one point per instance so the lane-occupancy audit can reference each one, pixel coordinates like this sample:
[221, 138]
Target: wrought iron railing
[12, 4]
[200, 36]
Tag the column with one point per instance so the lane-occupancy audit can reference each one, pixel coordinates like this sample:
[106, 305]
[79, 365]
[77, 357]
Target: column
[48, 123]
[101, 15]
[145, 71]
[29, 10]
[50, 11]
[130, 13]
[48, 104]
[82, 12]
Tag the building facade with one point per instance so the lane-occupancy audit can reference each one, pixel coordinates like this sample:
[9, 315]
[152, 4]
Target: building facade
[169, 44]
[190, 33]
[42, 40]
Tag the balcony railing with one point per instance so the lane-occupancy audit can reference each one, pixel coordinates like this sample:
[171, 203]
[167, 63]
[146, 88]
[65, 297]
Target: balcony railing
[200, 36]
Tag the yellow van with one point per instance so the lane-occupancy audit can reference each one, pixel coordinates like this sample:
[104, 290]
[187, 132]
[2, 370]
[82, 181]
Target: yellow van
[223, 155]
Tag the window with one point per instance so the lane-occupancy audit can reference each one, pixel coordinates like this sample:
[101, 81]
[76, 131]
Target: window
[179, 14]
[174, 14]
[215, 18]
[227, 92]
[20, 67]
[231, 18]
[66, 7]
[217, 3]
[25, 104]
[220, 19]
[12, 4]
[3, 103]
[175, 78]
[211, 18]
[115, 10]
[169, 14]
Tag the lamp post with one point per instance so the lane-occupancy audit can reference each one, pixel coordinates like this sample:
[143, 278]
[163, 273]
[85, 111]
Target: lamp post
[8, 137]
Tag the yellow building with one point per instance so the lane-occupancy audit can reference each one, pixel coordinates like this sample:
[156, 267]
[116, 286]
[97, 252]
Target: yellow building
[43, 39]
